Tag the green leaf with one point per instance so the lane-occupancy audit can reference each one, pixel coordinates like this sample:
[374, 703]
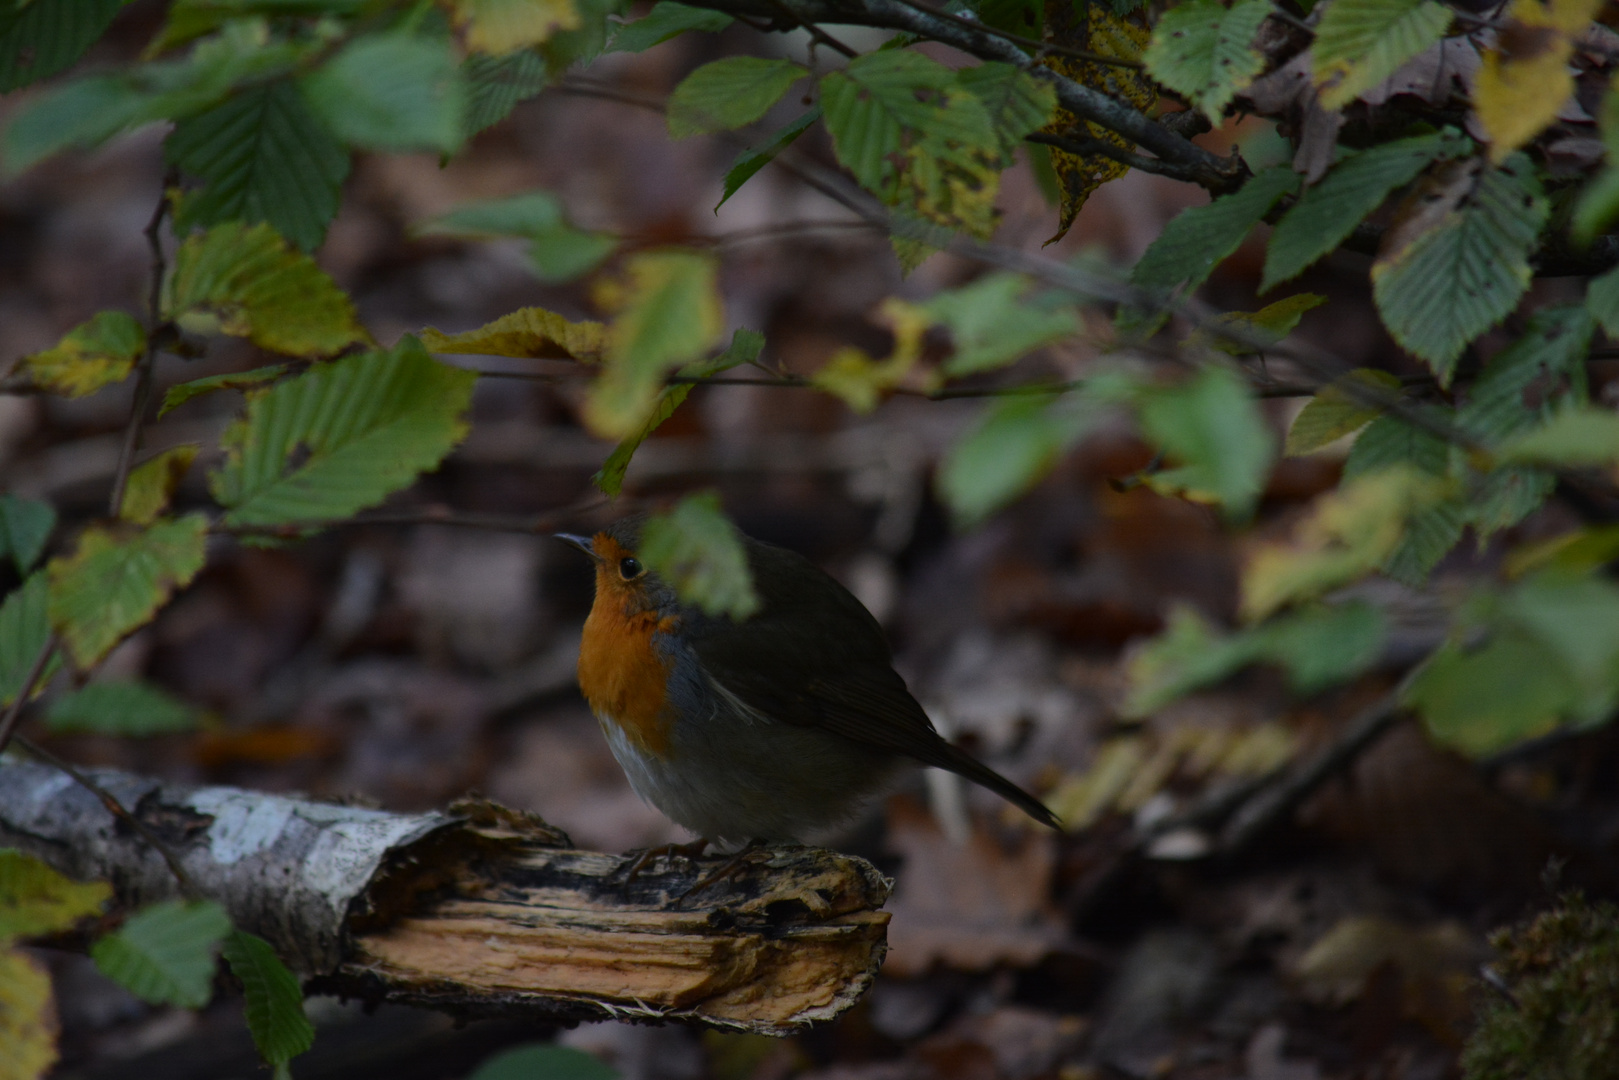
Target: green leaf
[25, 525]
[25, 626]
[1262, 329]
[544, 1061]
[1551, 353]
[1328, 212]
[1573, 437]
[1204, 51]
[1212, 427]
[729, 93]
[992, 326]
[245, 281]
[1336, 410]
[120, 708]
[664, 21]
[116, 581]
[1433, 527]
[696, 549]
[153, 483]
[671, 315]
[82, 113]
[262, 156]
[165, 954]
[744, 349]
[1197, 240]
[1390, 441]
[341, 437]
[754, 158]
[392, 91]
[274, 1001]
[1008, 451]
[1016, 102]
[36, 900]
[870, 104]
[181, 393]
[92, 355]
[497, 84]
[1602, 301]
[1359, 43]
[38, 38]
[559, 251]
[1320, 647]
[1457, 277]
[1482, 700]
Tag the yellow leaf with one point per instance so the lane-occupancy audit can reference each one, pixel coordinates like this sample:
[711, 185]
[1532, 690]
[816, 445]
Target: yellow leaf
[1524, 81]
[92, 355]
[1093, 28]
[35, 899]
[1336, 410]
[152, 484]
[529, 333]
[498, 27]
[27, 1018]
[857, 378]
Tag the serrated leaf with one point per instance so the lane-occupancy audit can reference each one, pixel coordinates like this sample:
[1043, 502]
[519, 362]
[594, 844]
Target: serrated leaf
[1348, 533]
[696, 549]
[870, 105]
[1518, 92]
[394, 91]
[1204, 51]
[1259, 330]
[1359, 43]
[152, 484]
[1573, 437]
[528, 333]
[1328, 212]
[1016, 102]
[1440, 285]
[992, 326]
[165, 953]
[181, 393]
[559, 251]
[1211, 429]
[498, 27]
[245, 281]
[1011, 448]
[1197, 240]
[547, 1060]
[81, 113]
[1336, 411]
[751, 160]
[1390, 441]
[27, 1017]
[120, 708]
[93, 354]
[729, 93]
[116, 580]
[1433, 528]
[664, 21]
[41, 37]
[497, 84]
[745, 348]
[670, 315]
[1123, 36]
[1602, 301]
[274, 1004]
[1551, 355]
[1579, 552]
[341, 437]
[261, 156]
[25, 526]
[25, 626]
[36, 900]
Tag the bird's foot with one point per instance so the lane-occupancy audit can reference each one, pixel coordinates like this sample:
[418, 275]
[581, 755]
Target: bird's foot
[688, 851]
[728, 868]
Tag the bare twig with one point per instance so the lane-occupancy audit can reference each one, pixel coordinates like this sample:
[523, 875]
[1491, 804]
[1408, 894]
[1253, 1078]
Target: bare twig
[148, 362]
[821, 36]
[439, 515]
[1044, 47]
[36, 671]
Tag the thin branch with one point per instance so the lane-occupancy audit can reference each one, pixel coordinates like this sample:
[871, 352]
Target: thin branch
[155, 340]
[1050, 48]
[821, 36]
[36, 671]
[1088, 146]
[438, 515]
[119, 811]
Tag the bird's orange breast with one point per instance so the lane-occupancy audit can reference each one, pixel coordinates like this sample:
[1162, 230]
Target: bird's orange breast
[622, 675]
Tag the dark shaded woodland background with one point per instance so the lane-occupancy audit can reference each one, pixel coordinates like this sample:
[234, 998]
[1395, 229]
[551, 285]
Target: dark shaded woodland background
[405, 665]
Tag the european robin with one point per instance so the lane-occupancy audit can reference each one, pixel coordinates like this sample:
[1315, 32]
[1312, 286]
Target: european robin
[770, 728]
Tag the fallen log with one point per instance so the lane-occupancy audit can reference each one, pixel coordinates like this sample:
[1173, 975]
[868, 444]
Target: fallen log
[479, 910]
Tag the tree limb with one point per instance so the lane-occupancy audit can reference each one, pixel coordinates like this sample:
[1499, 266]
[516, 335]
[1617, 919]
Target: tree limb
[478, 911]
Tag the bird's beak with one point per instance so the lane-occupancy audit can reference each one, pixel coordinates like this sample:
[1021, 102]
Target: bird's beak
[581, 542]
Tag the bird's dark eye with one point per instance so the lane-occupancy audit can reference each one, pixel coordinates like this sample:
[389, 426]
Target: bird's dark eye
[629, 568]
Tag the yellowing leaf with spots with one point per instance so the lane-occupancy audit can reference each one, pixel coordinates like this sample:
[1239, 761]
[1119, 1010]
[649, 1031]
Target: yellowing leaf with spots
[498, 27]
[1092, 28]
[530, 333]
[152, 484]
[1524, 81]
[27, 1017]
[92, 355]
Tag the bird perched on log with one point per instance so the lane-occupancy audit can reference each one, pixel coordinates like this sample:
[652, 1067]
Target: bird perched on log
[770, 728]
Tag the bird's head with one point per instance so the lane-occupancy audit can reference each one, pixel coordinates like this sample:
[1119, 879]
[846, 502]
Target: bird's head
[621, 578]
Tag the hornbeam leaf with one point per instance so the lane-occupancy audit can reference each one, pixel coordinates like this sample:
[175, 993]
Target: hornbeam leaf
[152, 484]
[25, 626]
[41, 37]
[92, 355]
[165, 953]
[274, 1000]
[1359, 43]
[35, 899]
[120, 708]
[529, 333]
[729, 93]
[1203, 50]
[697, 550]
[666, 20]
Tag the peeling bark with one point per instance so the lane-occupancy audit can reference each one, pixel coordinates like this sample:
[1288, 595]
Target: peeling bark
[480, 910]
